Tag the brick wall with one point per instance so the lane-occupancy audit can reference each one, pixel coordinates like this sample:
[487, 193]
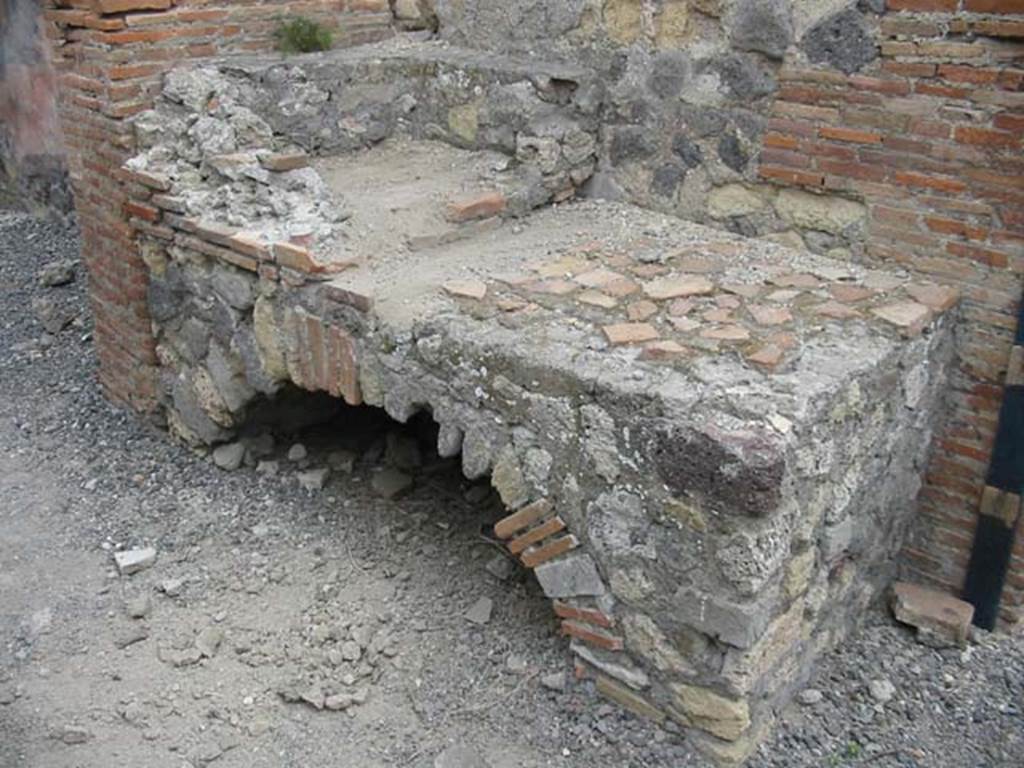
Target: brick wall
[109, 55]
[930, 140]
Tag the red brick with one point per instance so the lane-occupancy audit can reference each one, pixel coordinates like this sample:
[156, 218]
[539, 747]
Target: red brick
[555, 548]
[985, 137]
[587, 615]
[780, 141]
[945, 91]
[479, 206]
[954, 227]
[999, 28]
[911, 179]
[792, 177]
[146, 212]
[863, 171]
[850, 135]
[946, 6]
[890, 86]
[909, 69]
[120, 6]
[986, 256]
[591, 636]
[930, 128]
[993, 6]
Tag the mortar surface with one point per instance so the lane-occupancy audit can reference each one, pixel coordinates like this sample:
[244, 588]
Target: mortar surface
[605, 289]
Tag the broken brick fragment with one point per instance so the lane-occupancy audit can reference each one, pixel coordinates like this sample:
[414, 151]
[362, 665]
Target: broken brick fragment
[480, 206]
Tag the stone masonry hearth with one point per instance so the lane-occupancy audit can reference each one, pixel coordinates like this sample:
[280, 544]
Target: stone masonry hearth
[709, 446]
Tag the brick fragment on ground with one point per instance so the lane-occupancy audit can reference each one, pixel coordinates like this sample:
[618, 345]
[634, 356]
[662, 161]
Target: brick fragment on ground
[467, 289]
[480, 206]
[940, 619]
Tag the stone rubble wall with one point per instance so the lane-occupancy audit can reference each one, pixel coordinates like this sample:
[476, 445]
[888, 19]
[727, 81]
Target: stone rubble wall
[681, 604]
[232, 138]
[110, 56]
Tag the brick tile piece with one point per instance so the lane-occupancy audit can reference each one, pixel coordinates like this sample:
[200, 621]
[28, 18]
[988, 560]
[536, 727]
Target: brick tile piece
[549, 551]
[593, 616]
[768, 356]
[849, 294]
[684, 324]
[908, 315]
[480, 206]
[597, 299]
[156, 181]
[718, 316]
[936, 297]
[880, 281]
[630, 333]
[783, 297]
[940, 619]
[641, 310]
[553, 287]
[648, 270]
[298, 258]
[796, 280]
[468, 288]
[725, 301]
[621, 288]
[676, 287]
[535, 535]
[361, 301]
[726, 333]
[764, 315]
[525, 517]
[597, 278]
[663, 350]
[592, 637]
[783, 339]
[120, 6]
[250, 244]
[680, 307]
[214, 232]
[835, 310]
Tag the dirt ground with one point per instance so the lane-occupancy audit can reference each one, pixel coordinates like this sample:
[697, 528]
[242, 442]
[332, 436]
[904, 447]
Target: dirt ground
[280, 626]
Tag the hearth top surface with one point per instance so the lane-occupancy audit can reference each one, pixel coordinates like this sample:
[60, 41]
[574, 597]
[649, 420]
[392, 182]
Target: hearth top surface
[608, 282]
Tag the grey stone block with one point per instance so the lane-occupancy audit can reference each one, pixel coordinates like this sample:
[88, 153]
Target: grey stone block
[573, 576]
[734, 624]
[843, 41]
[765, 26]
